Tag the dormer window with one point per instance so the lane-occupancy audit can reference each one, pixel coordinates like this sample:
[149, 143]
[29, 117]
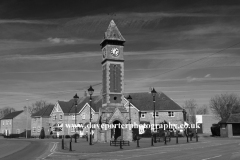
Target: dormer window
[143, 114]
[171, 114]
[156, 114]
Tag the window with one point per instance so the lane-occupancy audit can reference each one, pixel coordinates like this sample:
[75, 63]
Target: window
[6, 122]
[10, 122]
[154, 114]
[18, 131]
[83, 116]
[72, 129]
[3, 122]
[92, 115]
[54, 117]
[73, 117]
[39, 129]
[170, 114]
[143, 114]
[34, 129]
[60, 117]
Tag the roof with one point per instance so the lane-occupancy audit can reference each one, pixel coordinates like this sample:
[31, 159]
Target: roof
[12, 115]
[69, 107]
[233, 118]
[113, 33]
[144, 102]
[44, 112]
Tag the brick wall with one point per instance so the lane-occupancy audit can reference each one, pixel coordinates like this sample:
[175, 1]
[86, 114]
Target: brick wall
[19, 122]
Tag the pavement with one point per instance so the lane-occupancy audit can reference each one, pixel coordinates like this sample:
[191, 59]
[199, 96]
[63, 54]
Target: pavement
[8, 147]
[24, 149]
[209, 148]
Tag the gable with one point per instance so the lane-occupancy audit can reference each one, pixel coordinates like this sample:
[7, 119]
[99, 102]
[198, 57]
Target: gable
[56, 109]
[126, 105]
[85, 107]
[117, 115]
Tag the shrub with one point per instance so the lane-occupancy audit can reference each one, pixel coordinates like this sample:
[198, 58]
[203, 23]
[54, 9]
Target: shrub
[67, 136]
[215, 129]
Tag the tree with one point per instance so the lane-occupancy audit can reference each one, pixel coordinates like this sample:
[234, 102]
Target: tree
[37, 106]
[202, 110]
[190, 107]
[5, 111]
[225, 104]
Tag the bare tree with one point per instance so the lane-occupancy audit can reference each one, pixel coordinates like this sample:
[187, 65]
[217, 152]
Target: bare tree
[6, 110]
[37, 106]
[202, 110]
[225, 104]
[190, 107]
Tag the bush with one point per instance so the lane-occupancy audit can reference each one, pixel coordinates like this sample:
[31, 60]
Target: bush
[76, 134]
[12, 136]
[67, 136]
[215, 129]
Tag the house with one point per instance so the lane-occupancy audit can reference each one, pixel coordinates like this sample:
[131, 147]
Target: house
[15, 123]
[230, 126]
[63, 114]
[165, 108]
[41, 119]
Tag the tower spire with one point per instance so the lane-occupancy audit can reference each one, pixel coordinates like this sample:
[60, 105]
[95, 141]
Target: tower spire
[112, 33]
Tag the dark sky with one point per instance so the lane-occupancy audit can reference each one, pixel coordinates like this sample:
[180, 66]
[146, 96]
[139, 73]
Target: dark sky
[49, 49]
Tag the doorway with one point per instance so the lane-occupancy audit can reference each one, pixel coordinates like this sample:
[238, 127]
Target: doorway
[117, 130]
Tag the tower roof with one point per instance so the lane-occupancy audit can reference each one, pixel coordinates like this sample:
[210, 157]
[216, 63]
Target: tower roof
[113, 33]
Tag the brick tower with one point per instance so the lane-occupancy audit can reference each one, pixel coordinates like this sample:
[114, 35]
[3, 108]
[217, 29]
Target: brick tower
[112, 110]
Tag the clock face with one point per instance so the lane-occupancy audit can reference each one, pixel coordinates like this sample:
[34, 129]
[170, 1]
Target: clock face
[104, 53]
[115, 52]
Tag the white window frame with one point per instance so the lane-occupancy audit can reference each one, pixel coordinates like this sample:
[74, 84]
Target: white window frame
[34, 129]
[171, 114]
[73, 117]
[92, 116]
[39, 129]
[54, 117]
[83, 116]
[60, 117]
[157, 114]
[143, 114]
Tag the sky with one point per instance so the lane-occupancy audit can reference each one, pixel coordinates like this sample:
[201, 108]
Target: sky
[50, 50]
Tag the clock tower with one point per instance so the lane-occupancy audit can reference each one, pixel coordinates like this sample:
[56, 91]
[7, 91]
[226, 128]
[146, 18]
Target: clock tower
[112, 67]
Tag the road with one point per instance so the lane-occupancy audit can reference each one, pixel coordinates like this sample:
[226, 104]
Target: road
[219, 149]
[35, 149]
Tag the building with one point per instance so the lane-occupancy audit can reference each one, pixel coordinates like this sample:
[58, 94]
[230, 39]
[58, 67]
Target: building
[231, 126]
[205, 123]
[41, 119]
[15, 123]
[112, 106]
[63, 114]
[115, 106]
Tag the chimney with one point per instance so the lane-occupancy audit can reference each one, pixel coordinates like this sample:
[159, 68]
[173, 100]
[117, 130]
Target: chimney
[150, 89]
[85, 94]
